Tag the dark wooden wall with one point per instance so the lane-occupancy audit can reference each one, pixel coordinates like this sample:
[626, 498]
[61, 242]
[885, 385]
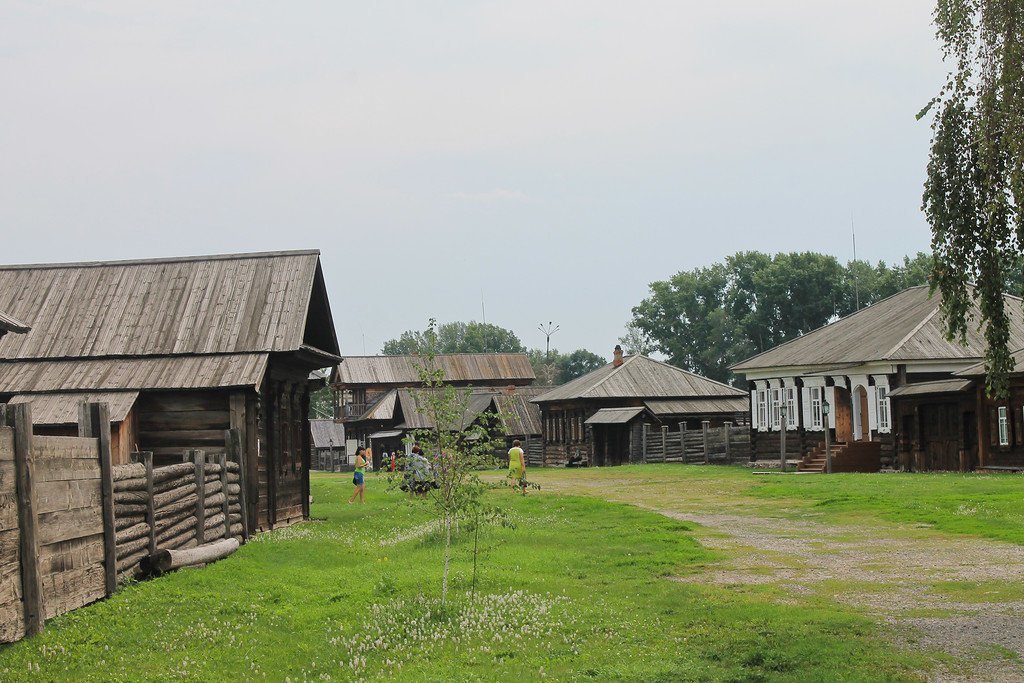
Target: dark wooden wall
[285, 448]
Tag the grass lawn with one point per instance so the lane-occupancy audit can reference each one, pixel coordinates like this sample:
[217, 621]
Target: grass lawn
[581, 589]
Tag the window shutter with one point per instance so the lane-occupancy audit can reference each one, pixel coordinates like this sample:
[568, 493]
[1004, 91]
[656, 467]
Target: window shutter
[805, 408]
[830, 396]
[1018, 428]
[753, 409]
[872, 408]
[993, 426]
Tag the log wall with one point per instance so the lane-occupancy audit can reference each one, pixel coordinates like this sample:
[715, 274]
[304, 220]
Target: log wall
[723, 445]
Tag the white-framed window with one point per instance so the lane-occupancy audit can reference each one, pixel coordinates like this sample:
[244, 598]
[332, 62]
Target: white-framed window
[884, 419]
[762, 408]
[776, 409]
[792, 417]
[1004, 427]
[816, 415]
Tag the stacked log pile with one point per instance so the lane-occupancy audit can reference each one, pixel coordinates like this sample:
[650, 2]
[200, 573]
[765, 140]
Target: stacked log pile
[177, 506]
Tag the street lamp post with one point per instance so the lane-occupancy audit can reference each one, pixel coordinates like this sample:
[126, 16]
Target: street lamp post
[828, 451]
[782, 436]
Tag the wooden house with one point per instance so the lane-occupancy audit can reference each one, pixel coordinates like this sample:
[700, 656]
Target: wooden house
[857, 366]
[328, 443]
[182, 349]
[598, 418]
[374, 401]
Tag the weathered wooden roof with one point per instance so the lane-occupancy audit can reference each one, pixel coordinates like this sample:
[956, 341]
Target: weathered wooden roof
[243, 303]
[638, 377]
[62, 409]
[327, 433]
[905, 327]
[384, 409]
[614, 416]
[415, 418]
[518, 415]
[9, 323]
[174, 372]
[479, 368]
[945, 386]
[978, 369]
[698, 406]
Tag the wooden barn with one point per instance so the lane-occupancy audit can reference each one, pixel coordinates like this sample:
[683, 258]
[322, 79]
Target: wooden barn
[857, 367]
[598, 418]
[182, 350]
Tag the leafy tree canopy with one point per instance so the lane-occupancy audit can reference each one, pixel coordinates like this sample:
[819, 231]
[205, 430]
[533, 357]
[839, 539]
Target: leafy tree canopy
[559, 368]
[708, 318]
[456, 337]
[974, 192]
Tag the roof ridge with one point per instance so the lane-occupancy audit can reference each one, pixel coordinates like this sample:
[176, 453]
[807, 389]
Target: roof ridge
[910, 334]
[615, 369]
[169, 259]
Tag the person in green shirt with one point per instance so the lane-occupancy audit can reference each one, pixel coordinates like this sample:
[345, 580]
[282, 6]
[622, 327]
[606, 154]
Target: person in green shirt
[357, 477]
[517, 467]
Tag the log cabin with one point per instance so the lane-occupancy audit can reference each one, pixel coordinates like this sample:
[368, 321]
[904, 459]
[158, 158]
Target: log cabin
[374, 401]
[598, 418]
[182, 349]
[854, 369]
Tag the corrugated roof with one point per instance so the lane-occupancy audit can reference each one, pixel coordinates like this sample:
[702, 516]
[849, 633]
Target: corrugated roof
[639, 377]
[945, 386]
[698, 406]
[177, 372]
[9, 323]
[904, 327]
[613, 416]
[216, 304]
[327, 433]
[62, 409]
[458, 367]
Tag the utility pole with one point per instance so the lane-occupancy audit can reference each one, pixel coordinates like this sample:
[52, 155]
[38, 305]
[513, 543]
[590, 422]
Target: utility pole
[782, 432]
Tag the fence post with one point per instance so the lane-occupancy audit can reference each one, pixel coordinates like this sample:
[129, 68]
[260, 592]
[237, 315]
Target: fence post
[234, 445]
[727, 432]
[682, 441]
[147, 460]
[20, 417]
[644, 431]
[223, 462]
[199, 458]
[705, 426]
[94, 423]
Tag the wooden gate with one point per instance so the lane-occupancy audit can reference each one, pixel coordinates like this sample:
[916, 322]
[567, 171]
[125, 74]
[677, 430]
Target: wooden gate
[940, 437]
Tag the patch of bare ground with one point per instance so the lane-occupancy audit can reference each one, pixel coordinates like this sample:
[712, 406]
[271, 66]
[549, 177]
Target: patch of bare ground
[890, 575]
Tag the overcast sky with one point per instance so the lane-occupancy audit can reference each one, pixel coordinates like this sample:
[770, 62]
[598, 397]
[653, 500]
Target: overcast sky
[551, 158]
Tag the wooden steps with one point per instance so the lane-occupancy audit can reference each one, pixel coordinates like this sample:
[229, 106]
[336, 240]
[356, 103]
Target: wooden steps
[860, 456]
[815, 460]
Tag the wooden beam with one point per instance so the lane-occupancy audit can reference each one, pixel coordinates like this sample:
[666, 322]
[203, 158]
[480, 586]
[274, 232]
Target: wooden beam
[94, 422]
[222, 460]
[147, 460]
[199, 459]
[20, 416]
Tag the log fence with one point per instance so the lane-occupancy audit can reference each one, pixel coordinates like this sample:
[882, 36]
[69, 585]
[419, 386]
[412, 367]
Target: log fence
[72, 525]
[709, 445]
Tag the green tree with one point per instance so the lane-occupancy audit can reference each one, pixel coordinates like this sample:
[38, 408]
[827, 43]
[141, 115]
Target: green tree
[456, 337]
[708, 318]
[974, 192]
[579, 363]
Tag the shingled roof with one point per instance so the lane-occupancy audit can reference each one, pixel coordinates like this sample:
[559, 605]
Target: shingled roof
[162, 323]
[478, 368]
[639, 377]
[907, 326]
[11, 324]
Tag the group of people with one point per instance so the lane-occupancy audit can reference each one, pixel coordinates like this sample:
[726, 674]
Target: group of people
[418, 477]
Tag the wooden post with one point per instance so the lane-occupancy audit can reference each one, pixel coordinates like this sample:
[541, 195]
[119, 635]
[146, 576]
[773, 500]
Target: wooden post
[664, 443]
[305, 446]
[94, 423]
[727, 434]
[199, 458]
[20, 417]
[643, 441]
[234, 446]
[222, 460]
[682, 441]
[705, 426]
[3, 415]
[147, 460]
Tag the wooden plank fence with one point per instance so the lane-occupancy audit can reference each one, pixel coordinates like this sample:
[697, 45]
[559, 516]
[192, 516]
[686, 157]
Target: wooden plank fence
[709, 445]
[72, 524]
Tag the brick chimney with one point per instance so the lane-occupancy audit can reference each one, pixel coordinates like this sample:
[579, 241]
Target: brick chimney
[617, 361]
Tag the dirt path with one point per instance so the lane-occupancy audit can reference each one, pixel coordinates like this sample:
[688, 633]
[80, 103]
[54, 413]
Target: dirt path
[902, 575]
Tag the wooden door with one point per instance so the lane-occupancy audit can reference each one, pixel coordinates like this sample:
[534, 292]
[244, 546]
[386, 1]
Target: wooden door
[940, 436]
[843, 409]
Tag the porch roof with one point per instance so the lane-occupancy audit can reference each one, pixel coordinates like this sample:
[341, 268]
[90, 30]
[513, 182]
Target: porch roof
[614, 416]
[945, 386]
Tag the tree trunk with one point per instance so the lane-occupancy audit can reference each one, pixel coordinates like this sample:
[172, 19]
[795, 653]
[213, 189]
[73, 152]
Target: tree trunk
[165, 560]
[447, 558]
